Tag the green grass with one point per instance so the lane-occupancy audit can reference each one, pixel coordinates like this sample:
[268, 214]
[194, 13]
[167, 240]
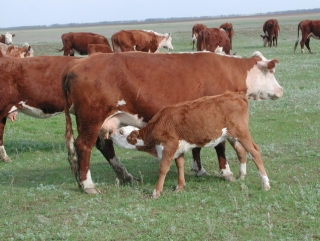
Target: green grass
[40, 199]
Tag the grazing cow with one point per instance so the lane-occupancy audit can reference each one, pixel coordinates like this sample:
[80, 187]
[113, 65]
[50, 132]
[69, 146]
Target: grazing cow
[204, 122]
[98, 48]
[271, 31]
[140, 40]
[309, 28]
[78, 41]
[130, 88]
[210, 38]
[196, 29]
[15, 51]
[7, 38]
[228, 27]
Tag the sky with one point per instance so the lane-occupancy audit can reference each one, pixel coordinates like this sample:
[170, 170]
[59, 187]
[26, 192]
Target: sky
[16, 13]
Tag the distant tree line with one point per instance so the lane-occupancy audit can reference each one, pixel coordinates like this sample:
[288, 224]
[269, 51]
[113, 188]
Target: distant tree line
[160, 20]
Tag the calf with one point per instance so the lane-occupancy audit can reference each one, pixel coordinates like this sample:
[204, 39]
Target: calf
[205, 122]
[228, 27]
[309, 28]
[196, 29]
[271, 31]
[211, 38]
[16, 51]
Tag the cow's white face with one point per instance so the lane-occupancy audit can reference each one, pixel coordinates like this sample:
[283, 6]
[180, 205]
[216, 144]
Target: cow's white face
[166, 42]
[261, 82]
[8, 38]
[119, 137]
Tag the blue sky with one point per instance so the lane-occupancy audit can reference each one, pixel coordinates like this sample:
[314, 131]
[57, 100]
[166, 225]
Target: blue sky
[47, 12]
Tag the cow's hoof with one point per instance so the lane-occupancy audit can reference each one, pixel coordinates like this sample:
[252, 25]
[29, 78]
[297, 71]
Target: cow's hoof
[229, 178]
[6, 159]
[266, 187]
[92, 190]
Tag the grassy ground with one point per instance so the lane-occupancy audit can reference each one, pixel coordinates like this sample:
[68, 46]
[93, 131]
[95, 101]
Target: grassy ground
[40, 200]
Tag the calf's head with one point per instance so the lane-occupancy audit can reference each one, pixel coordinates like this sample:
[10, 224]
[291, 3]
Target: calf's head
[126, 137]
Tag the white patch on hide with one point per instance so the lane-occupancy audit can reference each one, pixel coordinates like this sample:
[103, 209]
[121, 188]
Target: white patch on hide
[31, 111]
[121, 102]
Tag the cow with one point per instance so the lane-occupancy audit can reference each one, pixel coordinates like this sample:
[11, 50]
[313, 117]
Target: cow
[228, 27]
[195, 32]
[210, 38]
[78, 42]
[130, 88]
[309, 28]
[15, 51]
[204, 122]
[6, 38]
[271, 31]
[140, 40]
[98, 48]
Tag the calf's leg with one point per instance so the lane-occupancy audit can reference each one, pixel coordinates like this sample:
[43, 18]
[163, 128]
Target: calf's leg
[180, 166]
[3, 154]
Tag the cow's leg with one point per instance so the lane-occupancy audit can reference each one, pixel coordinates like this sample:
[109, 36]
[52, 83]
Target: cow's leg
[197, 167]
[248, 144]
[223, 163]
[303, 40]
[107, 149]
[3, 154]
[242, 157]
[307, 45]
[180, 166]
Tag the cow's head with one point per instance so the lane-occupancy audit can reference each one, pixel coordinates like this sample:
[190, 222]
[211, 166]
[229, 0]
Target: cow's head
[265, 40]
[8, 38]
[126, 137]
[166, 42]
[261, 82]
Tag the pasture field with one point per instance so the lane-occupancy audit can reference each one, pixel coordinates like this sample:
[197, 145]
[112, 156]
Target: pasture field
[40, 199]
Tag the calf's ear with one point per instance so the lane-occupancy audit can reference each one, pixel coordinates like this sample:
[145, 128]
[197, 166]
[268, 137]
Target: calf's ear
[132, 137]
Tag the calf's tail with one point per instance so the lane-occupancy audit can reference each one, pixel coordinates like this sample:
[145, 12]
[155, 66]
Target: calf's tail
[296, 43]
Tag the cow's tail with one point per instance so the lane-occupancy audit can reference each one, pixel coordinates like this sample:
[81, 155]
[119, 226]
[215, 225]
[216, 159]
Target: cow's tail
[115, 44]
[69, 137]
[296, 43]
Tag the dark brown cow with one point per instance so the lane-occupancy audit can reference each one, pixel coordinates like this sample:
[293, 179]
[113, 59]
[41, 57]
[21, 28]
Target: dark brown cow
[98, 48]
[16, 51]
[211, 38]
[140, 40]
[195, 32]
[271, 31]
[6, 38]
[78, 42]
[35, 89]
[228, 27]
[129, 88]
[204, 122]
[309, 28]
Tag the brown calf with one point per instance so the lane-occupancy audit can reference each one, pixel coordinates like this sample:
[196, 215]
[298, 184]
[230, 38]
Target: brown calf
[205, 122]
[309, 28]
[229, 29]
[211, 38]
[271, 31]
[196, 29]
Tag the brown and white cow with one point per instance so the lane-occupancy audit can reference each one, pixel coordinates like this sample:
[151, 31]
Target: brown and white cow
[140, 40]
[211, 38]
[78, 42]
[16, 51]
[130, 88]
[271, 31]
[228, 27]
[204, 122]
[309, 28]
[6, 38]
[98, 48]
[195, 32]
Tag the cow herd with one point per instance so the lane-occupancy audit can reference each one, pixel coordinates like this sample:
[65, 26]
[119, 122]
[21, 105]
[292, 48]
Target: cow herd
[114, 94]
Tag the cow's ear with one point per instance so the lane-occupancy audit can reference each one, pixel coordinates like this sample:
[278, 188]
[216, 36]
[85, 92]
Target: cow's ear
[272, 63]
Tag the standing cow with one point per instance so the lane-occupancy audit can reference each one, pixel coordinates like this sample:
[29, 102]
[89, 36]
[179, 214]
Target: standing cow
[196, 29]
[271, 31]
[78, 42]
[140, 40]
[204, 122]
[309, 28]
[6, 38]
[130, 88]
[228, 27]
[211, 38]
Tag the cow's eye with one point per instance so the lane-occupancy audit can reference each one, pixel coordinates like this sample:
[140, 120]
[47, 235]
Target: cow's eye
[121, 132]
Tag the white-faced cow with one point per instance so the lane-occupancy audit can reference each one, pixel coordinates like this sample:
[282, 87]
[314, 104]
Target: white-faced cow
[271, 31]
[309, 28]
[211, 38]
[78, 42]
[130, 88]
[228, 27]
[204, 122]
[195, 32]
[6, 38]
[140, 40]
[98, 48]
[16, 51]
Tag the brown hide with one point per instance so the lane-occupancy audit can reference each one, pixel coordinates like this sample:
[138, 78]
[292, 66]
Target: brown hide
[78, 41]
[309, 28]
[228, 27]
[271, 30]
[196, 29]
[210, 38]
[99, 48]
